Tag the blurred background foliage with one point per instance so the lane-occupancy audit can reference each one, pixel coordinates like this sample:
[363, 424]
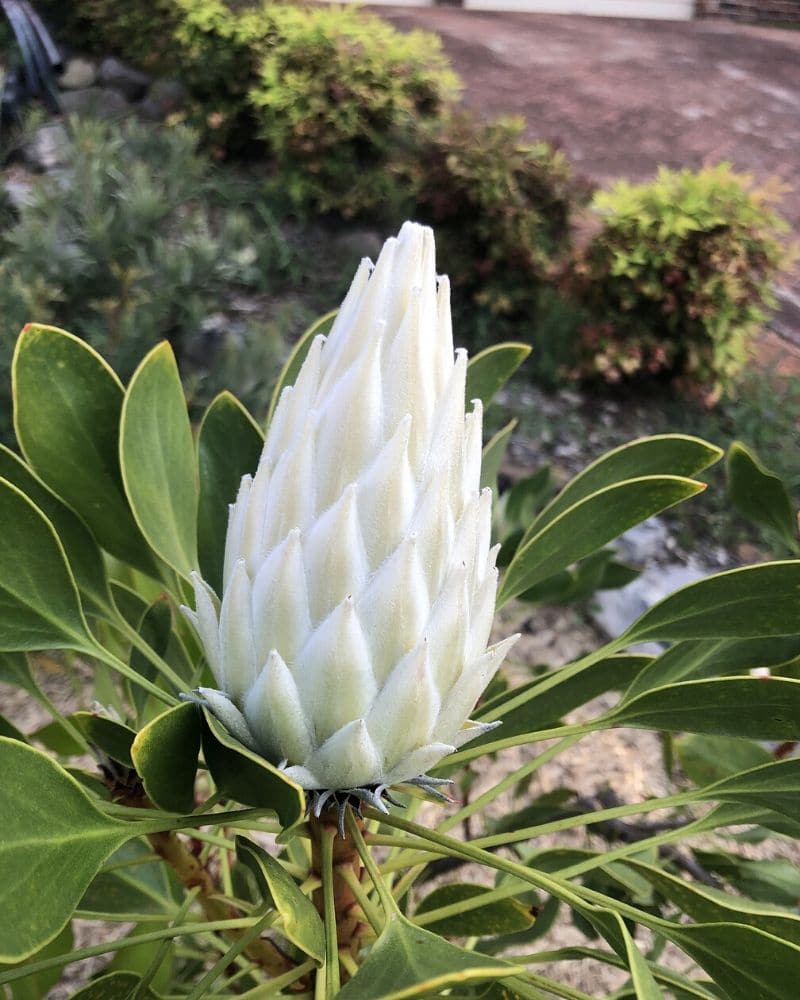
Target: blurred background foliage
[306, 135]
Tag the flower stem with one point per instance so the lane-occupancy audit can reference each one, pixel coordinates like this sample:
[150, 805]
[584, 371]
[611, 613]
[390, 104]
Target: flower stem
[346, 910]
[332, 980]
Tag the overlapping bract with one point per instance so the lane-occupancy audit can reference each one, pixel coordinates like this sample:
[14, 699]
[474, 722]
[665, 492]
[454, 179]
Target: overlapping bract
[359, 583]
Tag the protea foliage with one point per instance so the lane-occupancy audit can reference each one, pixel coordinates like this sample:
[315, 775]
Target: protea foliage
[350, 642]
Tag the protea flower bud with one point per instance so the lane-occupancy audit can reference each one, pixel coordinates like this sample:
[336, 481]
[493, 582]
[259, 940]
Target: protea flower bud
[359, 583]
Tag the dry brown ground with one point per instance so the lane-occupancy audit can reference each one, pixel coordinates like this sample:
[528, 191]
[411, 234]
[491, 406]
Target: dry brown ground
[622, 97]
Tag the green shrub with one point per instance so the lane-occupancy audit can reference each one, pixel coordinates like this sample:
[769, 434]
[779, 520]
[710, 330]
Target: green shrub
[502, 208]
[677, 280]
[338, 92]
[330, 92]
[134, 243]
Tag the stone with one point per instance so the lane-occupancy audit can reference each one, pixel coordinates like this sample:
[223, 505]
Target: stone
[48, 148]
[614, 610]
[646, 541]
[78, 75]
[119, 76]
[164, 98]
[94, 102]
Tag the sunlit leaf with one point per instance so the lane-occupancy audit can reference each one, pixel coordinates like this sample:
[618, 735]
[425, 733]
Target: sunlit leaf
[302, 924]
[50, 825]
[158, 461]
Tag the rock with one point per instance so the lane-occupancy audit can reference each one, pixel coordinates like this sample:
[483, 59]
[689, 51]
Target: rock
[48, 148]
[78, 75]
[94, 102]
[164, 98]
[615, 610]
[18, 188]
[119, 76]
[648, 540]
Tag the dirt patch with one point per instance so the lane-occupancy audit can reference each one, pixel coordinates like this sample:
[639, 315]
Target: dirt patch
[622, 97]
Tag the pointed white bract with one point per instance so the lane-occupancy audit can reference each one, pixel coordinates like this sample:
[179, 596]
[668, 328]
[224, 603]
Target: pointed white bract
[359, 586]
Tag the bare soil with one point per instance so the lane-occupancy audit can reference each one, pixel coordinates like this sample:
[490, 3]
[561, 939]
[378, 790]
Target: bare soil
[623, 96]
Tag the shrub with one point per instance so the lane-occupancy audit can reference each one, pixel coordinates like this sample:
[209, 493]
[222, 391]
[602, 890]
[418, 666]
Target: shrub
[338, 91]
[331, 91]
[677, 280]
[502, 208]
[132, 244]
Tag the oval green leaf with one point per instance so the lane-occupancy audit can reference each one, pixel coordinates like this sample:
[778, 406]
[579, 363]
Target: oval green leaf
[49, 825]
[749, 707]
[500, 916]
[760, 600]
[247, 778]
[67, 404]
[228, 446]
[114, 986]
[490, 369]
[157, 457]
[302, 924]
[83, 554]
[759, 494]
[407, 961]
[39, 603]
[165, 756]
[493, 453]
[590, 524]
[660, 455]
[113, 738]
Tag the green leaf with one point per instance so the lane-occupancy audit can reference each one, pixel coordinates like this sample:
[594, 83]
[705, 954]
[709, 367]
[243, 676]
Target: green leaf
[165, 756]
[660, 455]
[159, 467]
[113, 738]
[774, 786]
[490, 369]
[114, 986]
[545, 709]
[588, 525]
[36, 986]
[15, 669]
[768, 881]
[724, 706]
[760, 600]
[408, 961]
[247, 778]
[711, 906]
[155, 627]
[747, 963]
[493, 453]
[83, 554]
[10, 730]
[302, 924]
[502, 916]
[50, 826]
[39, 603]
[294, 362]
[130, 888]
[759, 494]
[67, 404]
[228, 446]
[706, 759]
[644, 985]
[695, 659]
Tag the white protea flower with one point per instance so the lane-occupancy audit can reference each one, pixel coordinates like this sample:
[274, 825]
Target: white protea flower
[350, 644]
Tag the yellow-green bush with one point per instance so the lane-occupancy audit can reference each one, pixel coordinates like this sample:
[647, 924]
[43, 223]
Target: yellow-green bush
[337, 92]
[330, 92]
[678, 279]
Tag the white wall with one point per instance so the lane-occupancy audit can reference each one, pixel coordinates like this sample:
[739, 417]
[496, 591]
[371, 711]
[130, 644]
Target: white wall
[670, 10]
